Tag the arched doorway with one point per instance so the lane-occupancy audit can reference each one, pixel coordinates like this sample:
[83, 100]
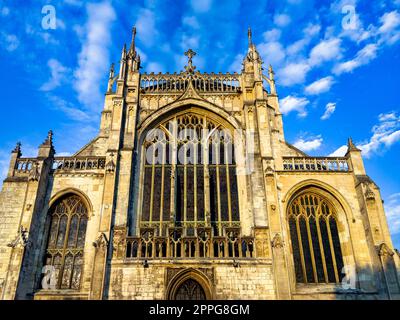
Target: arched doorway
[189, 284]
[190, 290]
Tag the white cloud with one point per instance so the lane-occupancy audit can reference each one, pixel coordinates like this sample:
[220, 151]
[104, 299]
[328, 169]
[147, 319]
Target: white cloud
[309, 144]
[388, 31]
[329, 110]
[93, 60]
[189, 41]
[5, 11]
[390, 21]
[191, 21]
[291, 103]
[201, 6]
[11, 42]
[363, 57]
[392, 209]
[326, 50]
[340, 152]
[309, 33]
[58, 75]
[272, 52]
[146, 27]
[69, 109]
[272, 35]
[282, 20]
[320, 86]
[384, 135]
[293, 73]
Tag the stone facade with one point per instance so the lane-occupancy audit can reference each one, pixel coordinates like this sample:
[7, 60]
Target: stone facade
[124, 258]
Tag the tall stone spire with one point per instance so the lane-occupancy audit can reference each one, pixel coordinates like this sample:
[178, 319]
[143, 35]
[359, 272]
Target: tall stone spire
[252, 62]
[133, 57]
[250, 37]
[122, 65]
[111, 78]
[132, 49]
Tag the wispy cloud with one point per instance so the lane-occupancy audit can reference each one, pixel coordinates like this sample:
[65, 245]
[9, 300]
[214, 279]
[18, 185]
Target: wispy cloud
[58, 75]
[329, 110]
[70, 110]
[94, 56]
[282, 20]
[320, 86]
[10, 41]
[363, 57]
[201, 6]
[146, 26]
[384, 134]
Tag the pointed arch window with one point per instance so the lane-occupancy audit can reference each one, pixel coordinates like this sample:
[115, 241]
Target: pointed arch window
[189, 175]
[315, 239]
[66, 240]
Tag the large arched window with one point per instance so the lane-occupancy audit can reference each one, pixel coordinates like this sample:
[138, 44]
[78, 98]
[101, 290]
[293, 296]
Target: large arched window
[66, 241]
[189, 175]
[315, 239]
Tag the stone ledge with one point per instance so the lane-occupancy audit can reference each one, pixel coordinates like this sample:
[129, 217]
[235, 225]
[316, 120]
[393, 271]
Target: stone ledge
[60, 295]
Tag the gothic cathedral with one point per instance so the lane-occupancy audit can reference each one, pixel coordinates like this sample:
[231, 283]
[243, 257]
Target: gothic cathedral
[190, 191]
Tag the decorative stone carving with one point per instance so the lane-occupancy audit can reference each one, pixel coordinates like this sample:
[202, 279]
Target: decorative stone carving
[101, 242]
[21, 240]
[119, 241]
[117, 103]
[277, 242]
[110, 166]
[384, 250]
[369, 194]
[34, 174]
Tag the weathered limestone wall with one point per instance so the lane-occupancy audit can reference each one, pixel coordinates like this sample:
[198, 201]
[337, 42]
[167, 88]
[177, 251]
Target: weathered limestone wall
[251, 282]
[12, 199]
[131, 281]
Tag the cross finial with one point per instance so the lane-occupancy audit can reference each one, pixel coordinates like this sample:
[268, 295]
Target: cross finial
[190, 54]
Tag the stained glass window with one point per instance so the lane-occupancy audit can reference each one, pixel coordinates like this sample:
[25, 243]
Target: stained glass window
[315, 240]
[66, 241]
[196, 168]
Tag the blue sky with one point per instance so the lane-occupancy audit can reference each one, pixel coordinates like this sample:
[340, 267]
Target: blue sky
[337, 67]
